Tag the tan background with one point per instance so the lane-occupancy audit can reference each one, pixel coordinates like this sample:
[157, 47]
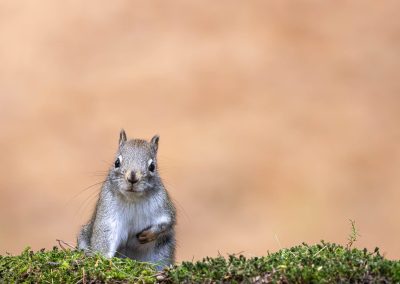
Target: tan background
[279, 120]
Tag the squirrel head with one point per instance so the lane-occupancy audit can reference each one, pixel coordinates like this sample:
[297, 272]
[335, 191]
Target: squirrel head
[135, 167]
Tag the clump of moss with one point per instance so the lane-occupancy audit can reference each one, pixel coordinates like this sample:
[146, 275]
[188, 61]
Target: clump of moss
[70, 266]
[320, 263]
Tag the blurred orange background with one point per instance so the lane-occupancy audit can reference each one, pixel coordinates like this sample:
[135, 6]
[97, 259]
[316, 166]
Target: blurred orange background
[279, 120]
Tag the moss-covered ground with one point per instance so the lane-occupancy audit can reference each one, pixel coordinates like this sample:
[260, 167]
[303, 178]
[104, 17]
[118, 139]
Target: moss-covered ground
[320, 263]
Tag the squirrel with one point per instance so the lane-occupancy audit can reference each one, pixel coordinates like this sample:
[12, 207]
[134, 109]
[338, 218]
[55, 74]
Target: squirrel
[134, 216]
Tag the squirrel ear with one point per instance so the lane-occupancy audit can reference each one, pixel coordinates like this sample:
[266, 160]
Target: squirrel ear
[154, 142]
[122, 137]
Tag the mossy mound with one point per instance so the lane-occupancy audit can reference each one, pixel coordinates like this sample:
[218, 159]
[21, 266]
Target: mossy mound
[320, 263]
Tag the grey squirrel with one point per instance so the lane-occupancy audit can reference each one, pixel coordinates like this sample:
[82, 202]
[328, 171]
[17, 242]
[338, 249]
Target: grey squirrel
[134, 216]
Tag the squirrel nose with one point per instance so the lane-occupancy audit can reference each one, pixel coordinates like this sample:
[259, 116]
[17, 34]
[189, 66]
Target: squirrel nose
[131, 177]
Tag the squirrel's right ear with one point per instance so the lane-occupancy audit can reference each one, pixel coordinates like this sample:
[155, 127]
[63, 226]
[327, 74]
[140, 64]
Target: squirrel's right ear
[154, 142]
[122, 137]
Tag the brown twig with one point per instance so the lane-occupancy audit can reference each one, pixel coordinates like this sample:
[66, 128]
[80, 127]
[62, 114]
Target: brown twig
[61, 243]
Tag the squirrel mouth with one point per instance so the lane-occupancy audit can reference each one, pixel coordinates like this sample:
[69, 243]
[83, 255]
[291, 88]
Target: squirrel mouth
[133, 189]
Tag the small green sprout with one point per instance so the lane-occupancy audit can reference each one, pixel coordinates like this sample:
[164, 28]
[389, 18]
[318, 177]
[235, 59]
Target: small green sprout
[352, 238]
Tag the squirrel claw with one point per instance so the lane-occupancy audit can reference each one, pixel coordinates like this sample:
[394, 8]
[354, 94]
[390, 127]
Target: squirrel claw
[146, 236]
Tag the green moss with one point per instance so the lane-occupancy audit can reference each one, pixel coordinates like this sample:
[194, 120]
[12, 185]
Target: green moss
[66, 266]
[321, 263]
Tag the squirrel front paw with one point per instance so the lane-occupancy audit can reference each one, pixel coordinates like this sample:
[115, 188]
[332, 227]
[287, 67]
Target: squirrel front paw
[146, 236]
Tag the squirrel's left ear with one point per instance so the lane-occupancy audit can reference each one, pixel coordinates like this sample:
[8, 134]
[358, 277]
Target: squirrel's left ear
[122, 137]
[154, 142]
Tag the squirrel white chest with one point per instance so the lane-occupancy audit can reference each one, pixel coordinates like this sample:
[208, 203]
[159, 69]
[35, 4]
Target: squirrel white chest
[132, 218]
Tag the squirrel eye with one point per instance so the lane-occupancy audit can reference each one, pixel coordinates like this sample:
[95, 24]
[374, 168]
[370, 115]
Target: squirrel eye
[117, 163]
[152, 167]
